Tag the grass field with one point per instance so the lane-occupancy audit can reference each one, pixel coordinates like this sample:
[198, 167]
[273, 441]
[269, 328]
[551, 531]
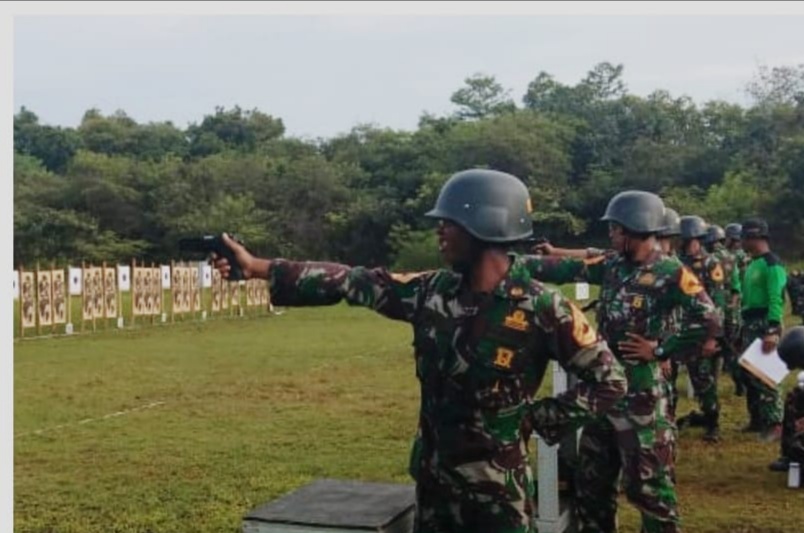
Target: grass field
[186, 428]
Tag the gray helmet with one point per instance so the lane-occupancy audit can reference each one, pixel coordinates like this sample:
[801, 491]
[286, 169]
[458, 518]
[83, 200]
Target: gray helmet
[492, 206]
[733, 231]
[636, 211]
[714, 234]
[791, 347]
[671, 223]
[755, 227]
[693, 227]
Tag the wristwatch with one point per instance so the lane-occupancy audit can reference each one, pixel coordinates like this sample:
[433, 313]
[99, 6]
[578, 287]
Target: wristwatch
[658, 352]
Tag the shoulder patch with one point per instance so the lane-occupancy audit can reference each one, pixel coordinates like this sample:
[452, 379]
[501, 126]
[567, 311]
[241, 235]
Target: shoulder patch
[689, 282]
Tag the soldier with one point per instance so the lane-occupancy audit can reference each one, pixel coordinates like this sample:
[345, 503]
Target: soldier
[795, 289]
[762, 312]
[483, 333]
[639, 289]
[714, 234]
[668, 244]
[791, 350]
[668, 236]
[734, 244]
[730, 260]
[703, 370]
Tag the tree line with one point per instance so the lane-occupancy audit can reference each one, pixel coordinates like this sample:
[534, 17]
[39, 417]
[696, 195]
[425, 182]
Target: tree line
[112, 188]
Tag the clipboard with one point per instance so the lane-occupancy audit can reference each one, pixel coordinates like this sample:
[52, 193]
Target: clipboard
[768, 368]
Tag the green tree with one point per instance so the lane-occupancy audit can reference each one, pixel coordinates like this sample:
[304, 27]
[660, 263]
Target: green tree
[482, 97]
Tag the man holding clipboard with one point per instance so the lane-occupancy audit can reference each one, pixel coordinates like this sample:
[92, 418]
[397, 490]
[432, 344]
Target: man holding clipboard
[762, 312]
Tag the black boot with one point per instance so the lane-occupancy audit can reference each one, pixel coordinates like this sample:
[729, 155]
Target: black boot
[780, 465]
[694, 419]
[751, 427]
[712, 428]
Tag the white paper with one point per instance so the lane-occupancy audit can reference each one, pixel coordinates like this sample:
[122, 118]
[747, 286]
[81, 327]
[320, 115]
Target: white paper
[165, 276]
[581, 291]
[16, 283]
[206, 277]
[767, 367]
[75, 281]
[124, 278]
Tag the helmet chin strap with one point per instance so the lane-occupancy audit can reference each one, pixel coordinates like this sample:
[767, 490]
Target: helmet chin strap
[628, 250]
[464, 266]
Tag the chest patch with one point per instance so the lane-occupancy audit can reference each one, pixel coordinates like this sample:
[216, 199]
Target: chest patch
[504, 358]
[647, 279]
[517, 320]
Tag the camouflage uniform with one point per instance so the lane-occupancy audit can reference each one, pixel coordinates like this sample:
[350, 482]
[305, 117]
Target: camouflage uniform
[733, 265]
[795, 289]
[793, 426]
[480, 358]
[703, 370]
[638, 438]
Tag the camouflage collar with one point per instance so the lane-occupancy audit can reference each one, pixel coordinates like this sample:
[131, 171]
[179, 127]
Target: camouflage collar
[655, 256]
[514, 285]
[700, 257]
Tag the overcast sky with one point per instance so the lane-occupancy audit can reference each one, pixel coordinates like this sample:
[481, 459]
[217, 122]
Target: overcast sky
[324, 74]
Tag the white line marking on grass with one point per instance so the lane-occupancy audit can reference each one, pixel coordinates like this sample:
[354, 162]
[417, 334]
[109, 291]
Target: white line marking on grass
[90, 420]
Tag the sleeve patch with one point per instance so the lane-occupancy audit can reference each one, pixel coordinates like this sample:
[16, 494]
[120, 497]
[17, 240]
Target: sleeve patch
[717, 274]
[583, 333]
[689, 282]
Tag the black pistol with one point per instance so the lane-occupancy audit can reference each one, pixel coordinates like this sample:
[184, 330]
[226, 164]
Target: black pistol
[214, 243]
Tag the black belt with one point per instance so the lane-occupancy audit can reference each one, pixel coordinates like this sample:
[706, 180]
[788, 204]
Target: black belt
[755, 313]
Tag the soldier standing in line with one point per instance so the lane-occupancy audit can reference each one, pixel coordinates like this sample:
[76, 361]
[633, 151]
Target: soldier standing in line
[795, 289]
[639, 289]
[762, 313]
[735, 246]
[714, 233]
[703, 369]
[483, 334]
[730, 259]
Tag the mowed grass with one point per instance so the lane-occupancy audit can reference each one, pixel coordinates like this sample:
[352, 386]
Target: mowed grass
[256, 407]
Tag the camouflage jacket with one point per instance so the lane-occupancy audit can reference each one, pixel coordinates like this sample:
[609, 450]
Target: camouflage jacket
[712, 273]
[795, 289]
[479, 358]
[732, 267]
[741, 259]
[640, 299]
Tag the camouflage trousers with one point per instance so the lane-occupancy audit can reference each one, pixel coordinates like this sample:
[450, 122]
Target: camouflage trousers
[764, 402]
[793, 426]
[703, 375]
[642, 449]
[703, 372]
[439, 510]
[729, 349]
[476, 497]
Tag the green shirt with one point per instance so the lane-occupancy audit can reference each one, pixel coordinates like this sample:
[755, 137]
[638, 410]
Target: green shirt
[763, 288]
